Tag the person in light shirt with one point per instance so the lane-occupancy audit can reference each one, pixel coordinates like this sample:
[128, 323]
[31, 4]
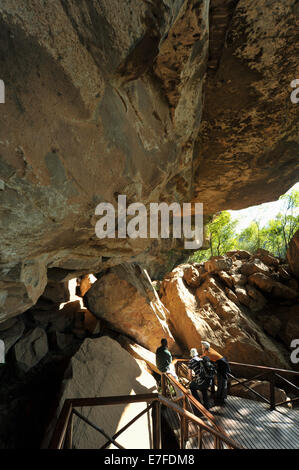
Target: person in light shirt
[203, 375]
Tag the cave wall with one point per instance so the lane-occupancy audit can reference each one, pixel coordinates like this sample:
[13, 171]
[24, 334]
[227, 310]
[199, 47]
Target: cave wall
[160, 101]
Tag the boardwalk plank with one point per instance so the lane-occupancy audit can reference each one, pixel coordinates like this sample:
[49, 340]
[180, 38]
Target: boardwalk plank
[251, 424]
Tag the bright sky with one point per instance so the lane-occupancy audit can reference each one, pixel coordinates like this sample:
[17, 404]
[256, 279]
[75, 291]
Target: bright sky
[263, 212]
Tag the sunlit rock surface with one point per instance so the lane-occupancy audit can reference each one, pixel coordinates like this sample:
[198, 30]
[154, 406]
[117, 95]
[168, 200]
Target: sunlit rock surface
[241, 315]
[126, 299]
[102, 368]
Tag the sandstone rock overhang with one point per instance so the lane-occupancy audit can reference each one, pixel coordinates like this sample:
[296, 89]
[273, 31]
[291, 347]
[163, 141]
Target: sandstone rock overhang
[161, 101]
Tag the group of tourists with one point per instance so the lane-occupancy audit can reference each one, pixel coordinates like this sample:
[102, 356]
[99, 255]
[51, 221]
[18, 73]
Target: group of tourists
[202, 371]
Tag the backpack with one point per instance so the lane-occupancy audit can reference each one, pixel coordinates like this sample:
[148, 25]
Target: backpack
[209, 370]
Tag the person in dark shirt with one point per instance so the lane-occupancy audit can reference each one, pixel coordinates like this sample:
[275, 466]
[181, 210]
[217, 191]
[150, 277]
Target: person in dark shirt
[223, 370]
[202, 380]
[163, 356]
[164, 363]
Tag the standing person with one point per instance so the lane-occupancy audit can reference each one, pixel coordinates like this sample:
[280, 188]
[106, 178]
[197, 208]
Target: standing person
[164, 362]
[204, 372]
[223, 370]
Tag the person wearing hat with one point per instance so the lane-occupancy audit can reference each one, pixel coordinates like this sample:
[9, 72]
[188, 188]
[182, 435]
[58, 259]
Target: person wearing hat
[223, 370]
[202, 379]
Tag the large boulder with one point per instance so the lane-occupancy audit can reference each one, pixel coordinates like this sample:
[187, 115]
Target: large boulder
[11, 331]
[139, 352]
[192, 276]
[127, 300]
[215, 313]
[289, 317]
[239, 254]
[238, 279]
[56, 292]
[258, 301]
[30, 349]
[226, 278]
[268, 285]
[293, 255]
[266, 257]
[254, 266]
[272, 326]
[21, 284]
[181, 304]
[102, 368]
[280, 320]
[218, 263]
[57, 319]
[250, 297]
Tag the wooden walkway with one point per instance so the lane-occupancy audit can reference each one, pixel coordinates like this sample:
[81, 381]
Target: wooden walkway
[250, 423]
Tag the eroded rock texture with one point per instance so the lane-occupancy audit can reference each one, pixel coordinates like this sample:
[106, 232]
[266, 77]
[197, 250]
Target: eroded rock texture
[126, 299]
[160, 101]
[248, 315]
[248, 139]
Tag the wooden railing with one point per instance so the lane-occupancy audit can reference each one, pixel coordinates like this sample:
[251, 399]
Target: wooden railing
[63, 433]
[270, 374]
[188, 400]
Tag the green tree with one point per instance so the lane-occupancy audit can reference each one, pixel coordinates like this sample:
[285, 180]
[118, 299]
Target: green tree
[274, 237]
[222, 234]
[252, 237]
[222, 238]
[289, 221]
[274, 240]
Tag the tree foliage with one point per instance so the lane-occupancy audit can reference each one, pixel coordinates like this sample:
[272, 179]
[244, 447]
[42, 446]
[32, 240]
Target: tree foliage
[275, 236]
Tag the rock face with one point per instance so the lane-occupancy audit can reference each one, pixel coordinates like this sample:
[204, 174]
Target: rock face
[126, 299]
[233, 309]
[56, 292]
[28, 335]
[11, 331]
[242, 94]
[102, 368]
[218, 263]
[31, 349]
[106, 98]
[21, 285]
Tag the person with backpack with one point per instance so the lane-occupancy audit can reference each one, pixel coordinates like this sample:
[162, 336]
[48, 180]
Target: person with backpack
[223, 369]
[204, 372]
